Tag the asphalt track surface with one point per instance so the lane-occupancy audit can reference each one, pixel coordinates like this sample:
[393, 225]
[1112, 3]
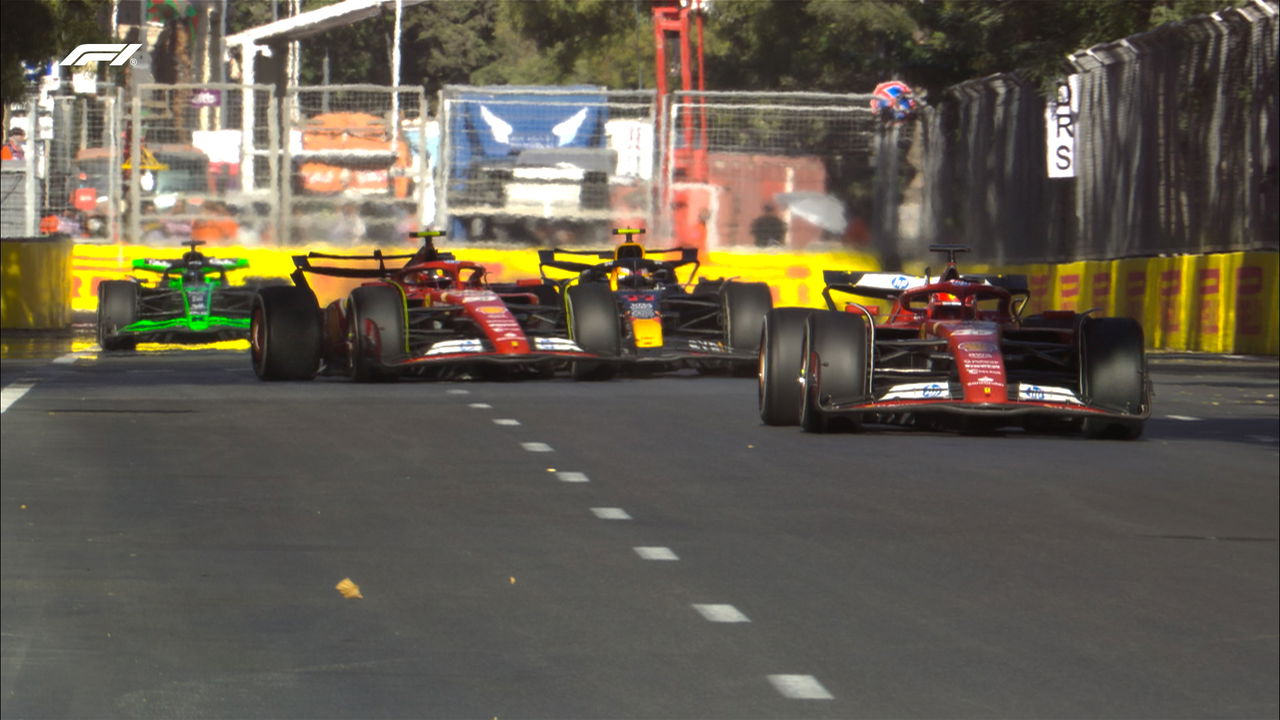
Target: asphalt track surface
[174, 529]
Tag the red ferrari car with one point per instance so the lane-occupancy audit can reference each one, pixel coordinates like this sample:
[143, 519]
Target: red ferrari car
[953, 352]
[434, 316]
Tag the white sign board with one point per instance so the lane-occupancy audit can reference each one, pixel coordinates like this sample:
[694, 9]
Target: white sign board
[633, 141]
[1061, 121]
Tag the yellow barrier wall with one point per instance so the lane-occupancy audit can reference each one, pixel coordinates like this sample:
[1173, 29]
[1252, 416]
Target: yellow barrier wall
[36, 291]
[795, 279]
[1227, 302]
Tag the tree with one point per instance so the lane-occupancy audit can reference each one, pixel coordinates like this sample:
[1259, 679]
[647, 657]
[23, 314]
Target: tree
[172, 54]
[962, 39]
[37, 31]
[597, 42]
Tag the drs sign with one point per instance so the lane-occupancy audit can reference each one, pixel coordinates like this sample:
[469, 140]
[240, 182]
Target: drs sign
[1061, 120]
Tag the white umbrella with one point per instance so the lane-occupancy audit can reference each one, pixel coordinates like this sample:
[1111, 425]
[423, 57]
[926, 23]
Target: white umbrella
[822, 210]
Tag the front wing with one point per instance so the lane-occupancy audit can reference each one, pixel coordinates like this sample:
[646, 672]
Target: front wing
[1061, 405]
[187, 330]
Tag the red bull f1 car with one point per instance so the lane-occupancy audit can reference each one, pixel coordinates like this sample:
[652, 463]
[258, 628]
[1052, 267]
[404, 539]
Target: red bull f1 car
[952, 353]
[633, 311]
[432, 316]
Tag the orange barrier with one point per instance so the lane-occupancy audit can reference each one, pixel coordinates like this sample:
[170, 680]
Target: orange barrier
[1228, 302]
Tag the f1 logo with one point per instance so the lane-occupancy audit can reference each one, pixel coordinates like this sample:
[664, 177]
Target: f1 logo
[116, 54]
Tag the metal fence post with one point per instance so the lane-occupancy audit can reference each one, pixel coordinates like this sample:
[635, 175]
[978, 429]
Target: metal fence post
[285, 141]
[134, 232]
[424, 173]
[113, 106]
[273, 166]
[443, 164]
[29, 216]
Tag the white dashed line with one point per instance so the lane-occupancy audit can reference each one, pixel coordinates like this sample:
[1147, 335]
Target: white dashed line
[721, 613]
[610, 513]
[536, 447]
[1184, 418]
[481, 406]
[572, 477]
[800, 687]
[12, 393]
[69, 358]
[457, 392]
[505, 421]
[655, 553]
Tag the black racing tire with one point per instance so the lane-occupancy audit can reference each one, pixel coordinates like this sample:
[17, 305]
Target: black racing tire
[593, 324]
[371, 358]
[778, 377]
[833, 364]
[284, 333]
[1114, 375]
[744, 306]
[117, 308]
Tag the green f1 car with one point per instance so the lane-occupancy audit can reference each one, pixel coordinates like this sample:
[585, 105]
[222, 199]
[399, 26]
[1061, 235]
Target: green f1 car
[192, 302]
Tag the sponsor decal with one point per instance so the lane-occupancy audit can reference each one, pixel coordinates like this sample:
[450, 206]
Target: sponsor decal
[1045, 393]
[115, 54]
[492, 310]
[445, 347]
[1069, 285]
[978, 347]
[1101, 285]
[900, 282]
[1250, 311]
[206, 98]
[707, 346]
[642, 310]
[917, 391]
[556, 344]
[198, 301]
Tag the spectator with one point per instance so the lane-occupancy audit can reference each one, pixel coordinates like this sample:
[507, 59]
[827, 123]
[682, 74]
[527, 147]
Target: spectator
[769, 230]
[216, 226]
[67, 222]
[348, 229]
[14, 148]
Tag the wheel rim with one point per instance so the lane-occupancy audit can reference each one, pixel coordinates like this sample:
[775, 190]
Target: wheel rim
[258, 336]
[762, 371]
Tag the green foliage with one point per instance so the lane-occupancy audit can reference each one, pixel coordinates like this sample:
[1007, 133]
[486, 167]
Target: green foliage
[823, 45]
[36, 31]
[597, 42]
[964, 39]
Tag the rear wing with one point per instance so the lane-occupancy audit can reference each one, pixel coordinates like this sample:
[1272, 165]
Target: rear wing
[303, 265]
[878, 285]
[161, 265]
[888, 286]
[549, 259]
